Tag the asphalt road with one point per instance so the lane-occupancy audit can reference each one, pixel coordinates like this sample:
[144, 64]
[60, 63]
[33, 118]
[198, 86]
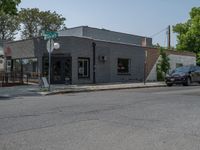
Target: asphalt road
[165, 118]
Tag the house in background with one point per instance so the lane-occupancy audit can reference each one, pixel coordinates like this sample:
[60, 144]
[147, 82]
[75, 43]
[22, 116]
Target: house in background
[176, 59]
[89, 55]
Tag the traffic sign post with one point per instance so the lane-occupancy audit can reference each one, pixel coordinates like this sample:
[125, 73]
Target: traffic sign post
[50, 49]
[50, 35]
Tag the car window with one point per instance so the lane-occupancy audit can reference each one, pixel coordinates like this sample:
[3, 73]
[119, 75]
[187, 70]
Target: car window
[183, 69]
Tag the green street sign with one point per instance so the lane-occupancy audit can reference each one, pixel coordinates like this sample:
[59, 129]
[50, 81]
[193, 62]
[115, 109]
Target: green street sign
[50, 35]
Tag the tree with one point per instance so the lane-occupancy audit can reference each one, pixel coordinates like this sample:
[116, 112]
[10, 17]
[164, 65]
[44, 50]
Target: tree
[163, 65]
[188, 33]
[9, 24]
[34, 21]
[9, 6]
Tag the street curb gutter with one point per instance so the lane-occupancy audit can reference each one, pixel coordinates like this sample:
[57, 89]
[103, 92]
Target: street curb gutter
[4, 97]
[67, 91]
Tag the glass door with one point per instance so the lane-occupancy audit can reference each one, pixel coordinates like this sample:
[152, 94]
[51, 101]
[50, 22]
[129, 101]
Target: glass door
[61, 70]
[57, 71]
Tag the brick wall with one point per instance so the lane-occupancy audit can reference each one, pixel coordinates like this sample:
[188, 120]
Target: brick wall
[152, 57]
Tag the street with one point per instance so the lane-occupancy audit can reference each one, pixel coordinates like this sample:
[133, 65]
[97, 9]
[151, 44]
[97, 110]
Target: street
[162, 118]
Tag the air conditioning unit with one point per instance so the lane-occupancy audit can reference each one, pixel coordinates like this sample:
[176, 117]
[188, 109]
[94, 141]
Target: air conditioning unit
[102, 58]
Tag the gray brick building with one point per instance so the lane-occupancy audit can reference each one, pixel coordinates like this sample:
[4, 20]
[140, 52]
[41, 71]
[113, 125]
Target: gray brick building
[90, 55]
[107, 35]
[78, 60]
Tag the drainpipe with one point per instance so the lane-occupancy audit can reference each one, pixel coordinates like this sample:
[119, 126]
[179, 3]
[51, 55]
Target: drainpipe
[22, 71]
[94, 61]
[145, 66]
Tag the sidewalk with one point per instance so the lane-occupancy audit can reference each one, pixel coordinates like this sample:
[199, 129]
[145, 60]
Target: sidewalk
[35, 90]
[60, 89]
[17, 91]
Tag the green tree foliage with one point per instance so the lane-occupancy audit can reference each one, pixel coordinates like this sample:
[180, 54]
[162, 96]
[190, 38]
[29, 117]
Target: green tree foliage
[163, 65]
[188, 33]
[198, 58]
[34, 21]
[9, 6]
[9, 25]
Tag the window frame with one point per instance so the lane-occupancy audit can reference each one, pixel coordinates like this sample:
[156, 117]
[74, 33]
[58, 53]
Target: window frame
[179, 65]
[83, 59]
[129, 66]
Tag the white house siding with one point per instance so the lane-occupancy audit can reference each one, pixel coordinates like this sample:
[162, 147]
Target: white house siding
[174, 59]
[184, 60]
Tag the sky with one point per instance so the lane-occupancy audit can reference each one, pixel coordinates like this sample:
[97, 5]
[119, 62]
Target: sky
[139, 17]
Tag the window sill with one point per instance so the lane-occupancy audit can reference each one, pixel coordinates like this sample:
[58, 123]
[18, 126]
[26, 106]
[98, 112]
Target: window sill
[84, 78]
[126, 74]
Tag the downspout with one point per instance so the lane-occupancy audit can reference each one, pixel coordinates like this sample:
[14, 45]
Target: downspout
[145, 66]
[94, 61]
[39, 60]
[22, 70]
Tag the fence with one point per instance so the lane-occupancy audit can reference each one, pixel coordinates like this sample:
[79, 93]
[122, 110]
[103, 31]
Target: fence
[13, 78]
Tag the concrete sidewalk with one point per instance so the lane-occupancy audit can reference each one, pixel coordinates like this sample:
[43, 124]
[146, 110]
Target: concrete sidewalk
[18, 91]
[35, 90]
[60, 89]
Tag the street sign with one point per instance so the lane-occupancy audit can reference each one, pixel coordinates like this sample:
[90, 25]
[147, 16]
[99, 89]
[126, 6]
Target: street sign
[50, 45]
[50, 35]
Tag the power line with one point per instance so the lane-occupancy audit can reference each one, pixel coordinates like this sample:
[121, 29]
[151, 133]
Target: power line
[159, 32]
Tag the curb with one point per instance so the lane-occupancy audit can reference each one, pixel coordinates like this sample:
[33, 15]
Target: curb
[94, 90]
[4, 97]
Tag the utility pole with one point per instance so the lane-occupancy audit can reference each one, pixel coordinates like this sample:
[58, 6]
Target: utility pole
[169, 37]
[94, 62]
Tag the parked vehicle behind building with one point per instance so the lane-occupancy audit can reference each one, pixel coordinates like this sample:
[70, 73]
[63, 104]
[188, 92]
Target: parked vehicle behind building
[183, 75]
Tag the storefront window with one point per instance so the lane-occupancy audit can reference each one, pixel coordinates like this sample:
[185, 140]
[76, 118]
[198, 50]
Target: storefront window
[26, 66]
[83, 67]
[16, 65]
[30, 67]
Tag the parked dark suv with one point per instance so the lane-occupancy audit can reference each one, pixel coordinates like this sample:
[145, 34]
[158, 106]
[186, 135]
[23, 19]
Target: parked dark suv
[183, 75]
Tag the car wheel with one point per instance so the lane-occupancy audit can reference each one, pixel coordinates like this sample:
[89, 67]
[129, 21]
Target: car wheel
[169, 84]
[188, 82]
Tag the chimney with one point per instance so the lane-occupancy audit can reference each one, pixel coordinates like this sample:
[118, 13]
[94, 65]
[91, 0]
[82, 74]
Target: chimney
[144, 42]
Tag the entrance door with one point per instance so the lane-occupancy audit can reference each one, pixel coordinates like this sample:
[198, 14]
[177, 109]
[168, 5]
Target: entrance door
[61, 70]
